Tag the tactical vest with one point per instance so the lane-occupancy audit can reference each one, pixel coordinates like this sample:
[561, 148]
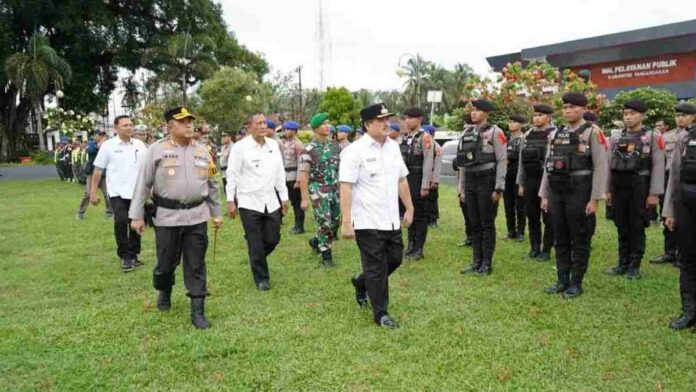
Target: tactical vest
[470, 151]
[631, 157]
[413, 153]
[569, 153]
[688, 171]
[534, 152]
[513, 153]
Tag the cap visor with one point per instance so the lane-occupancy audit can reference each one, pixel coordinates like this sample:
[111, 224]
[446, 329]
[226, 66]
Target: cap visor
[385, 115]
[183, 116]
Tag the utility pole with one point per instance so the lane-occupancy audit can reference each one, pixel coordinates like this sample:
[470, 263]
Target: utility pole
[299, 74]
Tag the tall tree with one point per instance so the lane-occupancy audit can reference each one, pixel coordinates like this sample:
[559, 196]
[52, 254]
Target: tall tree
[416, 73]
[35, 72]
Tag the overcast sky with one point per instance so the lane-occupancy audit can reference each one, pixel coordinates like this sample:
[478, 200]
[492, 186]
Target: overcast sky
[367, 37]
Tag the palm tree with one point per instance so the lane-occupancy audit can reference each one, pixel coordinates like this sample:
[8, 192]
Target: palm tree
[184, 60]
[35, 72]
[416, 71]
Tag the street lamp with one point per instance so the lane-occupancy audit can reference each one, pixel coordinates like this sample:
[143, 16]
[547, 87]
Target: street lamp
[401, 71]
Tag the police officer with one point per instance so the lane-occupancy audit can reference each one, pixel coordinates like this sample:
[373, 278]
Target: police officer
[225, 155]
[291, 148]
[514, 203]
[373, 178]
[342, 135]
[529, 173]
[684, 122]
[432, 199]
[482, 156]
[634, 182]
[92, 150]
[418, 154]
[572, 185]
[319, 182]
[680, 211]
[179, 173]
[395, 132]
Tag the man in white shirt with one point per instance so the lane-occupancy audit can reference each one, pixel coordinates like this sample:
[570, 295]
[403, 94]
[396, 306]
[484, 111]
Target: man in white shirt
[255, 172]
[373, 177]
[120, 157]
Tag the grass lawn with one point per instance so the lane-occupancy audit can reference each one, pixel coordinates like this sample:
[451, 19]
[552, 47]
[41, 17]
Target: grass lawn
[70, 320]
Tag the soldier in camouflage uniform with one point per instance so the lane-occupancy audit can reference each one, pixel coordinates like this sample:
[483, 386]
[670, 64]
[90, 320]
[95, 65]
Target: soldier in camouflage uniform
[319, 182]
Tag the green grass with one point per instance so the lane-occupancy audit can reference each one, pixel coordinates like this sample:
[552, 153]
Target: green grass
[70, 320]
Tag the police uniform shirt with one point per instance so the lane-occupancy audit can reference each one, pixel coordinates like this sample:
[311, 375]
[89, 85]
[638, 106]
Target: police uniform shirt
[671, 137]
[651, 145]
[493, 141]
[181, 173]
[672, 193]
[375, 171]
[595, 139]
[254, 173]
[291, 150]
[120, 159]
[225, 157]
[437, 165]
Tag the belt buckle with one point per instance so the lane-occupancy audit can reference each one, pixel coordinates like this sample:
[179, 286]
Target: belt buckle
[184, 206]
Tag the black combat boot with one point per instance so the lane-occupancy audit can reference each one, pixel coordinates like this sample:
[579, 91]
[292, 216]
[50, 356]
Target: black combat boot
[688, 316]
[198, 313]
[534, 253]
[326, 259]
[314, 244]
[575, 288]
[620, 269]
[633, 271]
[416, 255]
[164, 300]
[410, 248]
[664, 259]
[561, 285]
[544, 256]
[486, 268]
[473, 268]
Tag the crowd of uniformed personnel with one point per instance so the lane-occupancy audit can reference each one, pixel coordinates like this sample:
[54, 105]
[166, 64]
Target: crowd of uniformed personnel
[550, 178]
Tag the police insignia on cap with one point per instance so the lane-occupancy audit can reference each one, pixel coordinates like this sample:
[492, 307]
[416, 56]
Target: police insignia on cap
[384, 110]
[469, 155]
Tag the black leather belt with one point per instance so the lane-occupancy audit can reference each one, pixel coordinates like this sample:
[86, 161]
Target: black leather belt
[175, 204]
[290, 169]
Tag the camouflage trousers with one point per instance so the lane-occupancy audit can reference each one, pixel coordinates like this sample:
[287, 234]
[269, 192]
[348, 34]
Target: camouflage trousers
[327, 216]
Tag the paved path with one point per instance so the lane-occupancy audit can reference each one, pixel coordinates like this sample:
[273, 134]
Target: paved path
[28, 172]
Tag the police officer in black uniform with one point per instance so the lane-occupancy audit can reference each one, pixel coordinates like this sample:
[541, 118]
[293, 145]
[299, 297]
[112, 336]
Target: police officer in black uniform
[572, 185]
[531, 168]
[680, 213]
[515, 216]
[634, 182]
[482, 156]
[418, 154]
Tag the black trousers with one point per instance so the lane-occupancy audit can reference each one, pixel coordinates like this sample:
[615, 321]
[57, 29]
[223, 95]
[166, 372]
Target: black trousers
[631, 217]
[127, 240]
[514, 205]
[671, 237]
[433, 205]
[482, 211]
[571, 227]
[172, 243]
[262, 233]
[418, 231]
[467, 221]
[535, 216]
[295, 199]
[686, 226]
[380, 255]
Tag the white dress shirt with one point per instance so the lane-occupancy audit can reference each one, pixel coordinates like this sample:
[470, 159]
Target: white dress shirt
[375, 171]
[254, 173]
[121, 161]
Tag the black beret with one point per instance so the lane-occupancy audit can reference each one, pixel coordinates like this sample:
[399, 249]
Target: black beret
[541, 108]
[685, 108]
[413, 112]
[589, 116]
[177, 113]
[483, 104]
[576, 99]
[520, 118]
[637, 105]
[377, 110]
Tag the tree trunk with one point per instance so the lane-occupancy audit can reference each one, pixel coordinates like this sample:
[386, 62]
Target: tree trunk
[13, 122]
[39, 127]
